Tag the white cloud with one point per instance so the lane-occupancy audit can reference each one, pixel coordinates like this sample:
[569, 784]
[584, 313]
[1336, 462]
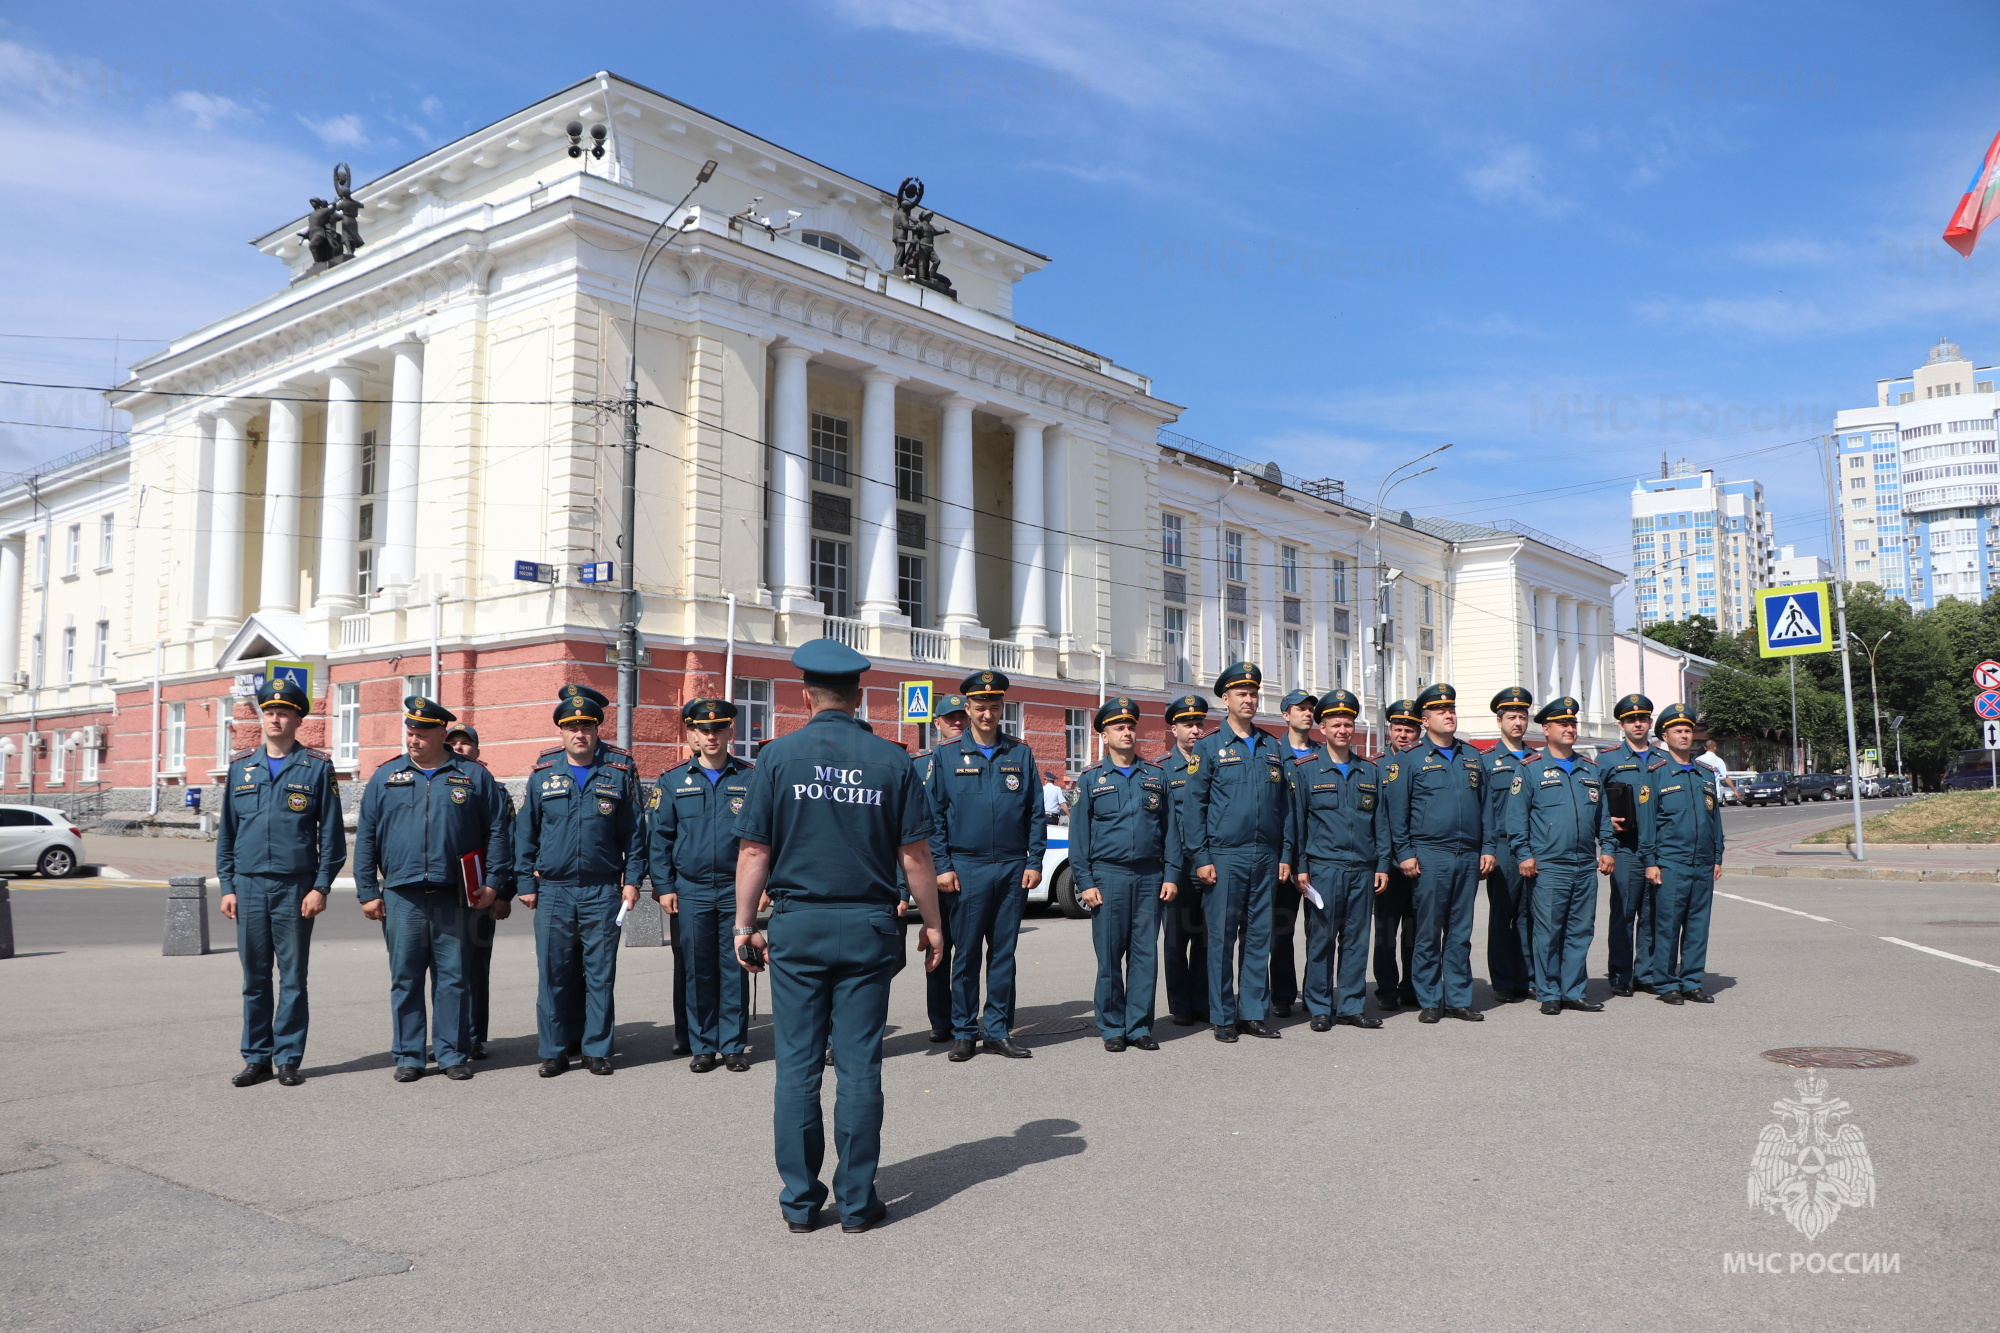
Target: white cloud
[210, 110]
[1514, 174]
[338, 131]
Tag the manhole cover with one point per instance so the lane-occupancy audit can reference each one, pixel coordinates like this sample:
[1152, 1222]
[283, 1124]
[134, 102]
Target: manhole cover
[1052, 1027]
[1962, 923]
[1837, 1057]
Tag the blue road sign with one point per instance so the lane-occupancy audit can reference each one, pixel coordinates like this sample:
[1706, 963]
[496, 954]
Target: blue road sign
[530, 571]
[597, 571]
[1987, 705]
[916, 700]
[1792, 620]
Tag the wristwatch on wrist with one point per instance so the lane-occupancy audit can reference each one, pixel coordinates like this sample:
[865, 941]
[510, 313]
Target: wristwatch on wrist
[746, 930]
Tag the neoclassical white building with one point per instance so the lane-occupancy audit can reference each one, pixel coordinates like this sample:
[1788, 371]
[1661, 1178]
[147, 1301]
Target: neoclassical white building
[350, 472]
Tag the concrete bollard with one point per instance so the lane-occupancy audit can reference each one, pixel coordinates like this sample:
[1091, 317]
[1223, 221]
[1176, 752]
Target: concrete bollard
[645, 924]
[6, 923]
[187, 916]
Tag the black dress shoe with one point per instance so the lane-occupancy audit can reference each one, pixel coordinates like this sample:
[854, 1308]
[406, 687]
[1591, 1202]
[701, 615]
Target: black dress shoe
[459, 1072]
[597, 1064]
[1143, 1043]
[250, 1075]
[1552, 1006]
[1584, 1006]
[737, 1062]
[1672, 997]
[1389, 1002]
[1114, 1044]
[940, 1034]
[1623, 992]
[1357, 1021]
[1465, 1015]
[1321, 1022]
[550, 1068]
[962, 1050]
[862, 1223]
[1700, 997]
[682, 1048]
[1224, 1033]
[289, 1076]
[409, 1073]
[1429, 1015]
[1008, 1047]
[1512, 996]
[1282, 1010]
[1254, 1027]
[801, 1228]
[479, 1050]
[1646, 986]
[704, 1062]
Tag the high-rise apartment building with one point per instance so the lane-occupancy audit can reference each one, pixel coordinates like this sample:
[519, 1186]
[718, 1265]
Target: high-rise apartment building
[1700, 546]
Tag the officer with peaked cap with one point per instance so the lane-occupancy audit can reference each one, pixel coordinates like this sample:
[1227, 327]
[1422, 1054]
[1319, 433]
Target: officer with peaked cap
[1395, 906]
[277, 850]
[986, 842]
[1625, 766]
[1183, 931]
[579, 851]
[1558, 827]
[1339, 851]
[464, 742]
[948, 722]
[1124, 852]
[1509, 915]
[831, 814]
[1237, 799]
[1437, 829]
[1297, 709]
[1680, 841]
[420, 814]
[692, 846]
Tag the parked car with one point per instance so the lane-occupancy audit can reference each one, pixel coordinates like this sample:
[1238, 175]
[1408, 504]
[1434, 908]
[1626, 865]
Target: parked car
[1732, 790]
[1884, 784]
[1779, 788]
[1824, 787]
[39, 839]
[1971, 770]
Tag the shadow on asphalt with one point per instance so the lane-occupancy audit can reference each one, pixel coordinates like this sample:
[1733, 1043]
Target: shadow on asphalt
[922, 1183]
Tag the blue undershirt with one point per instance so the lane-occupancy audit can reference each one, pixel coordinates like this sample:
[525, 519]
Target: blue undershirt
[1447, 752]
[1342, 767]
[1301, 753]
[427, 772]
[987, 750]
[714, 775]
[277, 764]
[579, 773]
[1123, 770]
[1568, 765]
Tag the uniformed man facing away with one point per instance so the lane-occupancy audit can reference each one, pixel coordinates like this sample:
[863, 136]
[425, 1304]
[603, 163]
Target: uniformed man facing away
[1395, 906]
[1340, 851]
[420, 813]
[693, 857]
[1297, 710]
[279, 846]
[1237, 798]
[948, 721]
[832, 812]
[464, 742]
[1558, 824]
[1629, 966]
[1124, 852]
[1680, 841]
[986, 842]
[579, 850]
[1509, 916]
[1437, 829]
[1183, 931]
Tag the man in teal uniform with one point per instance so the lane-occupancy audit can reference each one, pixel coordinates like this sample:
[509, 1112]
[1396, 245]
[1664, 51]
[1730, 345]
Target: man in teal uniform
[1509, 917]
[1297, 710]
[948, 721]
[1438, 833]
[420, 814]
[1680, 840]
[1558, 823]
[693, 857]
[1626, 766]
[831, 815]
[1340, 853]
[987, 836]
[1183, 932]
[579, 849]
[464, 742]
[1395, 907]
[1237, 803]
[277, 850]
[1124, 852]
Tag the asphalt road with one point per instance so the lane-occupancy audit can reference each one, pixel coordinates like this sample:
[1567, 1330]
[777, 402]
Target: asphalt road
[1524, 1173]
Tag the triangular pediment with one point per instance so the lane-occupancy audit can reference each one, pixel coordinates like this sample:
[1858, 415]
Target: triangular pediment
[269, 634]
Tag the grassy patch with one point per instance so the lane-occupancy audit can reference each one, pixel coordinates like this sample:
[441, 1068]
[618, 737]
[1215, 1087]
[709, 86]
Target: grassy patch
[1960, 816]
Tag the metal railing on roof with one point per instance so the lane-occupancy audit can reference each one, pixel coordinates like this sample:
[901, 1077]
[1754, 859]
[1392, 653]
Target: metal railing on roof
[1321, 488]
[111, 443]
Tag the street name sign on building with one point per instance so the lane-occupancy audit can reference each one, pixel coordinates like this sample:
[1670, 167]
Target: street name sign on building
[597, 571]
[916, 696]
[530, 571]
[1794, 619]
[1987, 675]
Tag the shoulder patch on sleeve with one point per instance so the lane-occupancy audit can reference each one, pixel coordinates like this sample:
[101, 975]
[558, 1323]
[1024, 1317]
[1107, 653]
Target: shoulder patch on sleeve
[242, 754]
[1515, 790]
[1394, 769]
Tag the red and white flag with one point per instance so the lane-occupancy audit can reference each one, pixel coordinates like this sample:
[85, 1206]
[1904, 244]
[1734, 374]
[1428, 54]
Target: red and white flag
[1980, 205]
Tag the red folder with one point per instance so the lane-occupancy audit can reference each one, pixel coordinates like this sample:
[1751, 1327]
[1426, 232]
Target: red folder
[472, 871]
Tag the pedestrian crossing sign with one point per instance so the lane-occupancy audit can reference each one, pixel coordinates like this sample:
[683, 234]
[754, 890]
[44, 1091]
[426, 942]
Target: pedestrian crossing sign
[299, 673]
[916, 700]
[1793, 619]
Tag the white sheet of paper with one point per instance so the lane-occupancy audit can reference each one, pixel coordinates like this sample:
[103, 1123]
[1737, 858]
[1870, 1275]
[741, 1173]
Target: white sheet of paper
[1312, 896]
[622, 910]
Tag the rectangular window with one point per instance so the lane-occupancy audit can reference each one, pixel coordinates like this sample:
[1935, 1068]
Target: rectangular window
[832, 513]
[1428, 673]
[829, 575]
[347, 724]
[1013, 720]
[418, 684]
[1295, 659]
[89, 771]
[909, 470]
[1342, 621]
[1340, 651]
[1076, 740]
[100, 650]
[1427, 639]
[1339, 572]
[368, 462]
[1429, 610]
[69, 655]
[1232, 555]
[106, 526]
[1288, 566]
[41, 557]
[1175, 586]
[830, 449]
[910, 587]
[910, 528]
[1173, 643]
[1237, 598]
[177, 738]
[1173, 540]
[1294, 611]
[365, 523]
[364, 571]
[73, 549]
[1239, 639]
[58, 758]
[753, 716]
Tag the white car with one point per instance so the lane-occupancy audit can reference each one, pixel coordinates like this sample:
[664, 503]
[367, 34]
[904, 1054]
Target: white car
[39, 839]
[1058, 886]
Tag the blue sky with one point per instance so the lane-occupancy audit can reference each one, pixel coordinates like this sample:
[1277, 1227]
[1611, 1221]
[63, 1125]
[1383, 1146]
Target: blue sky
[1567, 237]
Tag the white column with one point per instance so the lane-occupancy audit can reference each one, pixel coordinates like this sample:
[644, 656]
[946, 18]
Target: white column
[791, 438]
[340, 505]
[399, 528]
[1055, 544]
[955, 549]
[1031, 568]
[1559, 641]
[226, 537]
[878, 496]
[1543, 629]
[284, 470]
[12, 575]
[1590, 691]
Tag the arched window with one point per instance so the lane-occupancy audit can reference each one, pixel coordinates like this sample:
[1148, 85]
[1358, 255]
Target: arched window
[833, 245]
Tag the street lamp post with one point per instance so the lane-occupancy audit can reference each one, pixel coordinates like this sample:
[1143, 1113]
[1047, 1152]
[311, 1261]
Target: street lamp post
[1379, 629]
[1874, 695]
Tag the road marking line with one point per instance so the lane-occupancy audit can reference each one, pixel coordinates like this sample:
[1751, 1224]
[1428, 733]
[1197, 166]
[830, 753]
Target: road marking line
[1925, 948]
[1775, 908]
